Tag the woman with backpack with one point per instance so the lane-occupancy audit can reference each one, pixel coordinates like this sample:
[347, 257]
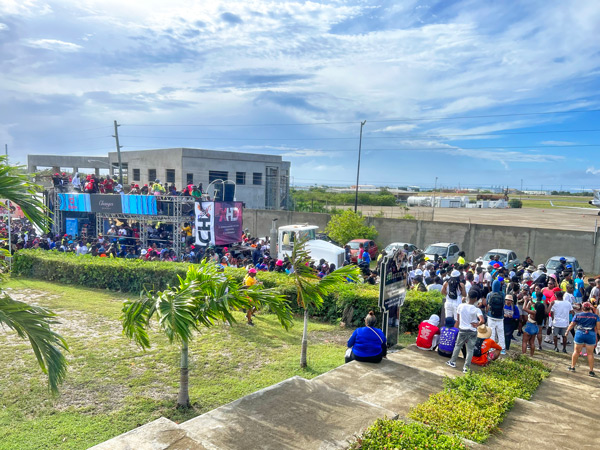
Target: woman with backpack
[486, 349]
[536, 313]
[454, 291]
[495, 313]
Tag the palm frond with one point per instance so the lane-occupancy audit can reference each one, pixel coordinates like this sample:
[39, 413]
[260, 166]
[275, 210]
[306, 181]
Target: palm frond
[33, 323]
[16, 187]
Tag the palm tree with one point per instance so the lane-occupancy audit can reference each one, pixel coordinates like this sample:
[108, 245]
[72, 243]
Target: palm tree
[203, 298]
[310, 289]
[31, 322]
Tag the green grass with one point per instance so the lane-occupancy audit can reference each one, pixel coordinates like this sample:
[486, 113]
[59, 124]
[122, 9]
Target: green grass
[112, 386]
[543, 202]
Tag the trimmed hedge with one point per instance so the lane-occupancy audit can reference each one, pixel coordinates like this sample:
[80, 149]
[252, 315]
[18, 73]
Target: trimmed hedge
[470, 407]
[395, 434]
[350, 303]
[474, 405]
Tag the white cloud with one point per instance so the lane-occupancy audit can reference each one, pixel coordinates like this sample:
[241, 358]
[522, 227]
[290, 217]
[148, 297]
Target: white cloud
[53, 44]
[593, 170]
[392, 128]
[3, 26]
[558, 143]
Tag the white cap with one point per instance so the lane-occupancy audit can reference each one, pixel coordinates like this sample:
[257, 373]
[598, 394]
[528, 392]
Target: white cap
[418, 272]
[455, 273]
[541, 267]
[144, 251]
[526, 276]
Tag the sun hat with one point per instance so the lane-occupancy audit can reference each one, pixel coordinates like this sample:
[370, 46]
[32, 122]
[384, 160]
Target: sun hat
[509, 298]
[484, 332]
[541, 267]
[279, 263]
[253, 270]
[144, 252]
[455, 273]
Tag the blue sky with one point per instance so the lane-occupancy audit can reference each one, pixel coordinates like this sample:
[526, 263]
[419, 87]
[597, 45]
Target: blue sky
[449, 89]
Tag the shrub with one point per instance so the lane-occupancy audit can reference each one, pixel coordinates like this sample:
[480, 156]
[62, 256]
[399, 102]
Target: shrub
[472, 406]
[515, 203]
[392, 434]
[351, 302]
[418, 306]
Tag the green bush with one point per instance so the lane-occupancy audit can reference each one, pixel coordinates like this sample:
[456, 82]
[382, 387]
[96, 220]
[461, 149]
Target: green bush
[418, 306]
[351, 302]
[395, 434]
[474, 405]
[515, 203]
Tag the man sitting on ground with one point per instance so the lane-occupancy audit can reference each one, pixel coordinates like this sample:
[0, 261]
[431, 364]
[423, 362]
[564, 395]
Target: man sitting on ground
[448, 335]
[486, 349]
[429, 333]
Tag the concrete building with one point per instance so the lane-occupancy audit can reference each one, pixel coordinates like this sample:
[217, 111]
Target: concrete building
[261, 181]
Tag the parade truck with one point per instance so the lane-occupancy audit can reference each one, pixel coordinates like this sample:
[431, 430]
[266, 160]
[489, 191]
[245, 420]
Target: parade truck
[317, 248]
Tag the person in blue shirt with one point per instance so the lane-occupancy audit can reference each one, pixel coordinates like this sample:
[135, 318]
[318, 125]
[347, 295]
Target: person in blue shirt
[511, 319]
[587, 325]
[448, 335]
[579, 287]
[367, 344]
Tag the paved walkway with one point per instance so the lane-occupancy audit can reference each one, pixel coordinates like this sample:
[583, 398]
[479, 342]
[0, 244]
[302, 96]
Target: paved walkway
[327, 411]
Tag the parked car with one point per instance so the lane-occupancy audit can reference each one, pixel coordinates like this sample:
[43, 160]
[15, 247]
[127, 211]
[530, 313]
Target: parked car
[553, 263]
[506, 257]
[443, 249]
[368, 243]
[394, 245]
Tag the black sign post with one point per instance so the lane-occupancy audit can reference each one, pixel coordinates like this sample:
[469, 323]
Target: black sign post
[392, 292]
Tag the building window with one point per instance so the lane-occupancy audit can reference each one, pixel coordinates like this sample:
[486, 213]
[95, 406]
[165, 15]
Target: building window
[189, 179]
[170, 175]
[240, 178]
[216, 175]
[257, 178]
[151, 175]
[136, 174]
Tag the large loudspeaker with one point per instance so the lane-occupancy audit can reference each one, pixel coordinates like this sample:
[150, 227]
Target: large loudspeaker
[229, 192]
[218, 192]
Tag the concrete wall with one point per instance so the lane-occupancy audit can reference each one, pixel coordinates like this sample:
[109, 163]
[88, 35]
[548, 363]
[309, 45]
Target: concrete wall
[474, 239]
[74, 162]
[199, 162]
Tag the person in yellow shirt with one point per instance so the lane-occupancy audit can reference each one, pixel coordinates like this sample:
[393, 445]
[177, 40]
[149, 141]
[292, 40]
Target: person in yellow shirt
[187, 231]
[250, 281]
[461, 258]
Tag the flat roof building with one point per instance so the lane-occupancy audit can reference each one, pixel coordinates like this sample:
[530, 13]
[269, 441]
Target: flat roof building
[262, 181]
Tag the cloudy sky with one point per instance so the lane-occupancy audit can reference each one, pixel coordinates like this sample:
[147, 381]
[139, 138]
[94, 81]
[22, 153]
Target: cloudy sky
[473, 92]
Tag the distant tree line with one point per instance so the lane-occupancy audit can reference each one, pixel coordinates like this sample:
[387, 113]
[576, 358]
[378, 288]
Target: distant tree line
[318, 199]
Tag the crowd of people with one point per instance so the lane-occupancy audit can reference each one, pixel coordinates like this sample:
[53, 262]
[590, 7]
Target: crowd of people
[93, 184]
[485, 303]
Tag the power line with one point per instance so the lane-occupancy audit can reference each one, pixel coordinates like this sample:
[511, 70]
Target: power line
[405, 119]
[430, 136]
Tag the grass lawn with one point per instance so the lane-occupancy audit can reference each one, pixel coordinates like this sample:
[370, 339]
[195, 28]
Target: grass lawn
[543, 201]
[112, 386]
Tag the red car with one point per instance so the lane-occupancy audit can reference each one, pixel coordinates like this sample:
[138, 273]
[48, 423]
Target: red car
[369, 245]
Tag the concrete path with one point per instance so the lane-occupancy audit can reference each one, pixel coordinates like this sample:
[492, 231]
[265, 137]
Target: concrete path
[329, 410]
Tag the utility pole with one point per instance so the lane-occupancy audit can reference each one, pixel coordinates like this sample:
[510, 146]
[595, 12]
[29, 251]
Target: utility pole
[116, 136]
[362, 124]
[433, 200]
[521, 195]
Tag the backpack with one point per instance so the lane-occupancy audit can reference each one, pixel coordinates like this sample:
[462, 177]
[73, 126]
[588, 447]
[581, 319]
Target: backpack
[496, 304]
[540, 312]
[453, 288]
[477, 349]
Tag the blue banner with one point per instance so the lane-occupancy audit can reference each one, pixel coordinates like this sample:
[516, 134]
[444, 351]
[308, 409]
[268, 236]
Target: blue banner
[75, 202]
[72, 226]
[139, 204]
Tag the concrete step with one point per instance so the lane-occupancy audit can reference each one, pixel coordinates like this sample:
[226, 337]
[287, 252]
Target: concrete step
[390, 384]
[541, 425]
[161, 434]
[293, 414]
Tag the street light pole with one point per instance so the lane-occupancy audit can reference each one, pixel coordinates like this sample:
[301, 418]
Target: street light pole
[362, 124]
[8, 225]
[116, 136]
[433, 200]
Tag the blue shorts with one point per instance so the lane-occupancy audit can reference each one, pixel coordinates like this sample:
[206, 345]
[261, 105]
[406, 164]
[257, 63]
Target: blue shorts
[531, 329]
[589, 338]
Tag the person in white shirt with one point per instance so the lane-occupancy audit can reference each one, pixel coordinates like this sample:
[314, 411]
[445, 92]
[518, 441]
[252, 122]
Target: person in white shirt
[569, 297]
[560, 310]
[469, 318]
[81, 248]
[454, 291]
[436, 286]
